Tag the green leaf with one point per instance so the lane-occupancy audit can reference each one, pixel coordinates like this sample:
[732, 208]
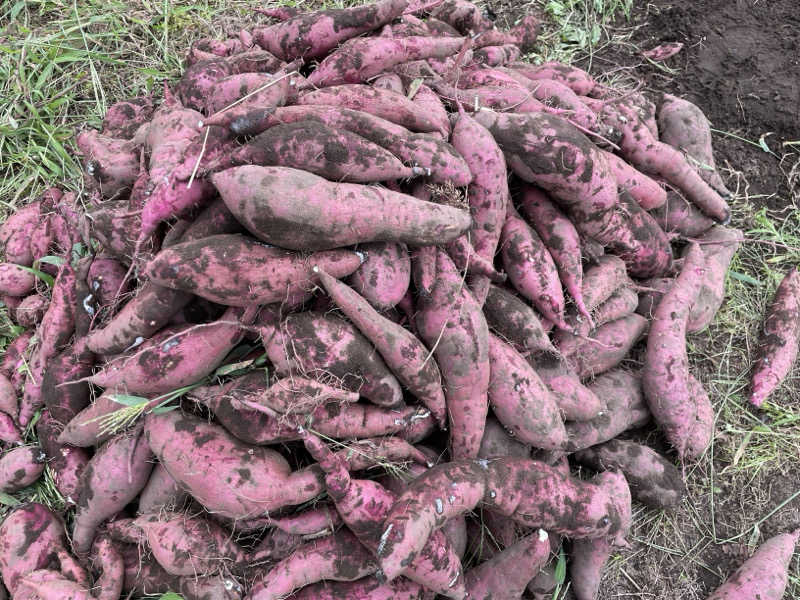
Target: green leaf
[560, 573]
[127, 400]
[744, 278]
[160, 410]
[171, 596]
[52, 260]
[43, 276]
[8, 500]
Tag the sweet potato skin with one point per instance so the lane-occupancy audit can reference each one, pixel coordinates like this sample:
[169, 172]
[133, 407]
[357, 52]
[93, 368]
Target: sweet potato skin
[15, 280]
[719, 244]
[602, 279]
[385, 215]
[65, 463]
[779, 340]
[8, 396]
[383, 278]
[575, 401]
[21, 467]
[515, 321]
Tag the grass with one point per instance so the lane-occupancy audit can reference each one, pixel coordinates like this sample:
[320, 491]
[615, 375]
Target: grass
[63, 63]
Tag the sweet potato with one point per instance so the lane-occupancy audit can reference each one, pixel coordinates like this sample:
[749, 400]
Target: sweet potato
[107, 162]
[313, 35]
[8, 397]
[495, 56]
[384, 276]
[531, 269]
[646, 191]
[718, 244]
[778, 343]
[189, 545]
[9, 432]
[31, 310]
[765, 574]
[653, 479]
[530, 492]
[643, 150]
[312, 342]
[498, 97]
[652, 292]
[114, 476]
[114, 226]
[62, 390]
[625, 408]
[665, 377]
[575, 401]
[123, 118]
[16, 280]
[14, 352]
[314, 521]
[16, 231]
[338, 155]
[234, 270]
[380, 103]
[339, 557]
[521, 401]
[174, 358]
[559, 237]
[515, 321]
[548, 151]
[47, 584]
[288, 396]
[85, 429]
[107, 558]
[683, 126]
[403, 353]
[105, 278]
[389, 81]
[427, 99]
[367, 588]
[20, 467]
[141, 317]
[452, 325]
[65, 463]
[507, 574]
[161, 492]
[364, 504]
[228, 90]
[623, 302]
[497, 442]
[283, 208]
[600, 281]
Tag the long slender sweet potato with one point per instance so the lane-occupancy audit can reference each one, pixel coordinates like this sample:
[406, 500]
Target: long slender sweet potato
[367, 588]
[647, 193]
[361, 59]
[683, 126]
[507, 574]
[403, 353]
[531, 269]
[625, 408]
[575, 401]
[515, 321]
[778, 343]
[652, 478]
[498, 97]
[235, 270]
[453, 327]
[364, 504]
[521, 401]
[313, 35]
[719, 244]
[665, 377]
[548, 151]
[381, 103]
[107, 558]
[578, 80]
[114, 476]
[765, 574]
[21, 467]
[282, 206]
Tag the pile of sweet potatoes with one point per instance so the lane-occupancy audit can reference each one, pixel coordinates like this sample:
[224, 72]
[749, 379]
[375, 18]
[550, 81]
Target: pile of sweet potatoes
[365, 308]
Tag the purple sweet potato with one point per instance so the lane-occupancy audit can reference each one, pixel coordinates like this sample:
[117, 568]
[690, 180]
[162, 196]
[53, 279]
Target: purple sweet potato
[652, 290]
[403, 353]
[123, 118]
[531, 269]
[48, 584]
[559, 237]
[498, 97]
[62, 390]
[506, 575]
[497, 442]
[20, 467]
[621, 391]
[105, 278]
[553, 154]
[287, 396]
[108, 162]
[515, 321]
[652, 478]
[312, 342]
[380, 103]
[778, 343]
[314, 521]
[313, 35]
[623, 302]
[338, 155]
[718, 244]
[16, 231]
[86, 428]
[107, 558]
[65, 463]
[587, 560]
[601, 280]
[646, 191]
[235, 270]
[339, 557]
[16, 280]
[464, 16]
[9, 432]
[8, 396]
[495, 56]
[578, 80]
[284, 208]
[683, 126]
[765, 574]
[389, 81]
[521, 401]
[114, 476]
[13, 352]
[141, 317]
[575, 401]
[427, 99]
[31, 310]
[384, 276]
[366, 588]
[229, 89]
[361, 59]
[173, 359]
[452, 325]
[161, 492]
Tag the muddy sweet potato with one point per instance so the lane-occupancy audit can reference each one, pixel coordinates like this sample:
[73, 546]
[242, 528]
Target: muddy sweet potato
[282, 206]
[646, 191]
[17, 229]
[16, 280]
[161, 492]
[384, 276]
[778, 343]
[107, 162]
[21, 467]
[114, 476]
[718, 244]
[452, 325]
[578, 80]
[106, 275]
[403, 353]
[65, 463]
[31, 310]
[495, 56]
[601, 280]
[8, 397]
[575, 401]
[515, 321]
[123, 118]
[464, 16]
[366, 588]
